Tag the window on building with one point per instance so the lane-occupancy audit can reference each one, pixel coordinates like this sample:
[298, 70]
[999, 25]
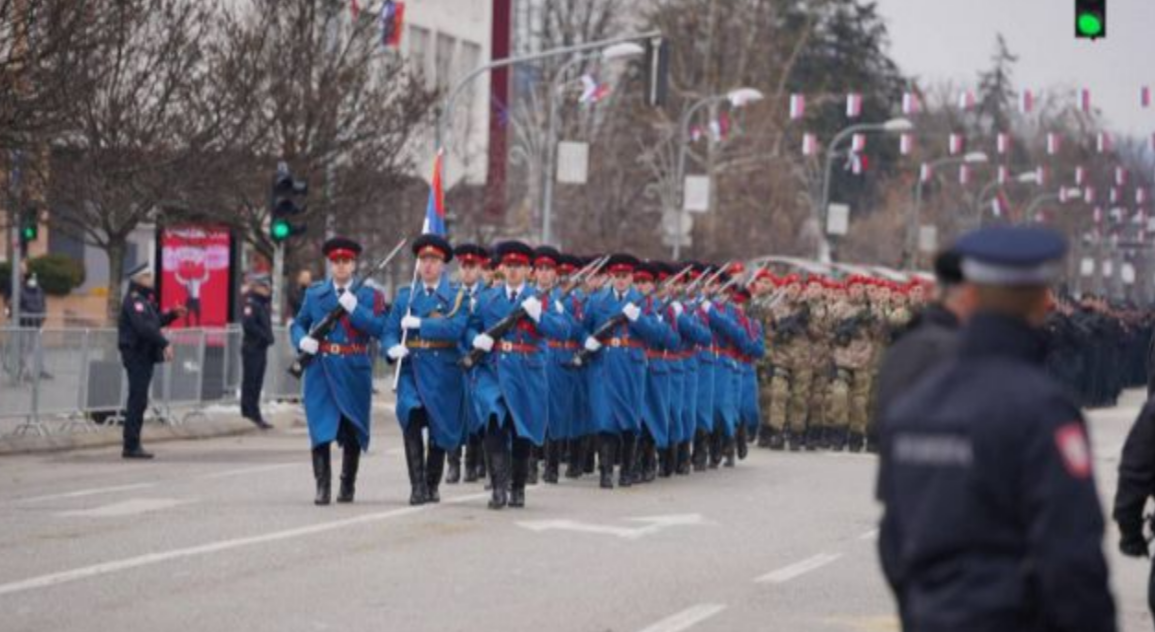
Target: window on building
[444, 60]
[419, 54]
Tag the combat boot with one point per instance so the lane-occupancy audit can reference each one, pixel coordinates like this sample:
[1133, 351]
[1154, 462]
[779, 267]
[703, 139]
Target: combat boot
[716, 441]
[813, 438]
[322, 474]
[606, 461]
[825, 436]
[575, 464]
[415, 460]
[682, 468]
[838, 439]
[777, 440]
[453, 470]
[591, 453]
[434, 465]
[519, 474]
[728, 450]
[349, 463]
[666, 460]
[499, 469]
[796, 439]
[552, 462]
[700, 457]
[741, 446]
[628, 454]
[855, 442]
[472, 462]
[765, 436]
[534, 459]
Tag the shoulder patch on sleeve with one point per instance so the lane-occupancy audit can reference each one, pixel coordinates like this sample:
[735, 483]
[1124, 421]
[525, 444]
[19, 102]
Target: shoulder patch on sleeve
[138, 306]
[1074, 449]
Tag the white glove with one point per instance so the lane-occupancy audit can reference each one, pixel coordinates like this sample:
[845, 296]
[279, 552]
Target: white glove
[678, 308]
[707, 306]
[411, 322]
[348, 301]
[592, 344]
[632, 312]
[532, 307]
[309, 345]
[483, 342]
[558, 307]
[397, 352]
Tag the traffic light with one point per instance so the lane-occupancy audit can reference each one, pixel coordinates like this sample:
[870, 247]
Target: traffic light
[1090, 19]
[29, 226]
[286, 200]
[657, 71]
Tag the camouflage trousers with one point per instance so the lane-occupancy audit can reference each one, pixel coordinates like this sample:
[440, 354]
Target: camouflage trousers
[783, 398]
[848, 399]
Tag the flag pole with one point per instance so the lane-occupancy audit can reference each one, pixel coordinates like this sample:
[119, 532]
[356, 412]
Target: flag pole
[435, 185]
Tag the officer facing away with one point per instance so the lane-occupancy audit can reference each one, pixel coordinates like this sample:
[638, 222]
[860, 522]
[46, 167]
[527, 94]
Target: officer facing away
[142, 345]
[1136, 485]
[991, 520]
[257, 325]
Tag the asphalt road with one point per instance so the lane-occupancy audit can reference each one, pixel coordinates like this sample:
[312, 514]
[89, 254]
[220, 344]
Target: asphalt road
[221, 535]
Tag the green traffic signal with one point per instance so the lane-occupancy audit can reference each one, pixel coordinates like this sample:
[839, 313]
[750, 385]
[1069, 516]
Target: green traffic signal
[280, 230]
[1089, 25]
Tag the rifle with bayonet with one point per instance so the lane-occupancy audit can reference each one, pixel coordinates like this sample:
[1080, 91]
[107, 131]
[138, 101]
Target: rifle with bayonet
[505, 325]
[320, 330]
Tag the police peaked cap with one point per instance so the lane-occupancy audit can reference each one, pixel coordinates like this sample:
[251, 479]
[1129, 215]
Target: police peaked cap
[471, 253]
[138, 270]
[436, 245]
[1011, 255]
[547, 256]
[341, 248]
[621, 262]
[513, 252]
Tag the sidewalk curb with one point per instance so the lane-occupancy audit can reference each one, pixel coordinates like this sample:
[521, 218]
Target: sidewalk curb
[112, 436]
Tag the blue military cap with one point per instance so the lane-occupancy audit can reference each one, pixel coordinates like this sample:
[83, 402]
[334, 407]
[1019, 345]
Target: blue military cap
[138, 270]
[1011, 255]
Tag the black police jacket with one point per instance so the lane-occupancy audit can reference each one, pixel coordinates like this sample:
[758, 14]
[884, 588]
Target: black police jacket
[1136, 475]
[930, 341]
[139, 324]
[257, 323]
[991, 518]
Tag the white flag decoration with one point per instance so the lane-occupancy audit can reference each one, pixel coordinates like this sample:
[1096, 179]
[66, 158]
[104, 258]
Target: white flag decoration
[1026, 102]
[809, 144]
[1041, 174]
[910, 104]
[1103, 142]
[797, 106]
[1097, 215]
[925, 172]
[964, 174]
[1004, 174]
[1053, 142]
[1063, 197]
[1120, 176]
[955, 143]
[966, 100]
[1085, 100]
[905, 144]
[1003, 143]
[1080, 176]
[858, 143]
[1140, 195]
[853, 105]
[1089, 195]
[1114, 195]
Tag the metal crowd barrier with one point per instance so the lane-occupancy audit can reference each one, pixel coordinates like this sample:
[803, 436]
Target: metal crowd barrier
[73, 377]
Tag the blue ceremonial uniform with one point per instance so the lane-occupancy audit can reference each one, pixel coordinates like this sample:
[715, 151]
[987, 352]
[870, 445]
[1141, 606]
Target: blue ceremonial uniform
[752, 351]
[430, 378]
[656, 401]
[693, 334]
[564, 421]
[706, 360]
[339, 383]
[727, 336]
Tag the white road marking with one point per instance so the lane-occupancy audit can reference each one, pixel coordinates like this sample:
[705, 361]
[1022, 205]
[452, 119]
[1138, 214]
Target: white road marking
[687, 618]
[107, 568]
[788, 573]
[869, 535]
[85, 492]
[126, 508]
[653, 524]
[251, 470]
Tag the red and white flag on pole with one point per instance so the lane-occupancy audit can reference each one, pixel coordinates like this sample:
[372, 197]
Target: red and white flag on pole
[1097, 215]
[1140, 195]
[809, 144]
[1053, 143]
[797, 106]
[1145, 96]
[853, 105]
[1085, 100]
[1042, 176]
[966, 100]
[1103, 142]
[964, 174]
[1004, 174]
[857, 163]
[1080, 175]
[1120, 176]
[858, 143]
[1026, 102]
[910, 103]
[999, 205]
[592, 90]
[905, 144]
[1003, 143]
[1063, 195]
[925, 173]
[955, 143]
[1114, 196]
[1089, 195]
[355, 9]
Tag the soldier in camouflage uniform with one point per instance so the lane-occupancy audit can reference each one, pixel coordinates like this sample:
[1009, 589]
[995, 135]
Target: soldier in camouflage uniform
[854, 364]
[763, 287]
[786, 355]
[820, 294]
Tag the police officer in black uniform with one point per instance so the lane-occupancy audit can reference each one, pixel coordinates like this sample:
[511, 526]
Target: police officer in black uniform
[257, 325]
[142, 345]
[1136, 485]
[991, 520]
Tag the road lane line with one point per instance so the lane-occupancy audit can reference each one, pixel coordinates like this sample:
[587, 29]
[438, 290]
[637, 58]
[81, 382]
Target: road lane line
[687, 618]
[131, 507]
[251, 470]
[116, 566]
[807, 565]
[85, 492]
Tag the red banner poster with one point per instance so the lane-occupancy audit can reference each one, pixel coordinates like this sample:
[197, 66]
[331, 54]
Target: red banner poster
[195, 273]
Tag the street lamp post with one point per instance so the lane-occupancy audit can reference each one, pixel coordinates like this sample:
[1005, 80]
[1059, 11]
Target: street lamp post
[916, 211]
[614, 51]
[892, 126]
[1025, 178]
[1062, 195]
[738, 98]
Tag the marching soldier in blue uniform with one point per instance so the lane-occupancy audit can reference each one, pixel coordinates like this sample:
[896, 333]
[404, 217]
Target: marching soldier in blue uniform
[692, 333]
[142, 345]
[471, 259]
[706, 356]
[257, 337]
[992, 520]
[338, 384]
[616, 372]
[511, 378]
[655, 435]
[576, 426]
[562, 380]
[747, 354]
[431, 388]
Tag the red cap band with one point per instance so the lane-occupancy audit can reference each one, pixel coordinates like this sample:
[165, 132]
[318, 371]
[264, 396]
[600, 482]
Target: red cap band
[431, 250]
[341, 253]
[544, 262]
[515, 258]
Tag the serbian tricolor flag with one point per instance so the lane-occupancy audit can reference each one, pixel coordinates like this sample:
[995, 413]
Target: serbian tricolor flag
[1080, 175]
[1120, 176]
[853, 105]
[925, 172]
[905, 144]
[1053, 143]
[1103, 142]
[910, 103]
[1085, 100]
[1026, 102]
[955, 144]
[1145, 96]
[435, 209]
[1003, 143]
[809, 144]
[797, 106]
[392, 18]
[964, 174]
[966, 100]
[1004, 174]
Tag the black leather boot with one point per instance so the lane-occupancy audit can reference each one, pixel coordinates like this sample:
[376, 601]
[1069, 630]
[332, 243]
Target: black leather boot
[552, 462]
[349, 462]
[629, 448]
[606, 449]
[666, 460]
[322, 474]
[728, 449]
[415, 459]
[534, 459]
[575, 465]
[716, 440]
[497, 451]
[453, 471]
[591, 449]
[519, 472]
[741, 442]
[649, 461]
[434, 466]
[700, 457]
[472, 461]
[682, 467]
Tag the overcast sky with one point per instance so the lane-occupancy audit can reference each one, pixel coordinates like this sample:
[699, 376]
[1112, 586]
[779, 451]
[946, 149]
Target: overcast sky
[953, 39]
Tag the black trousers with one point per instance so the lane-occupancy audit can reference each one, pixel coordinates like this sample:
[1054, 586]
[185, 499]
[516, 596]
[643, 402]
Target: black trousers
[253, 365]
[139, 371]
